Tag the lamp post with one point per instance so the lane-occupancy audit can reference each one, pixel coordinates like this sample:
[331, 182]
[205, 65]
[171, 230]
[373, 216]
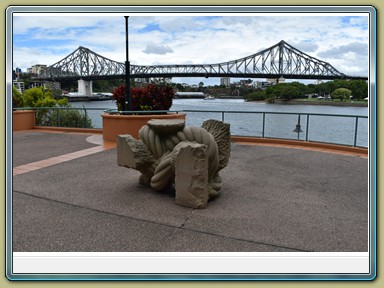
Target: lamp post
[127, 102]
[298, 128]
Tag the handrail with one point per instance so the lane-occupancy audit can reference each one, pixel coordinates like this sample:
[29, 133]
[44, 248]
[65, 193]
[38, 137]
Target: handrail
[223, 113]
[272, 112]
[108, 110]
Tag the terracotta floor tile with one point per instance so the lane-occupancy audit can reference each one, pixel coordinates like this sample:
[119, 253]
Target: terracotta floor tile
[95, 139]
[21, 170]
[32, 166]
[64, 158]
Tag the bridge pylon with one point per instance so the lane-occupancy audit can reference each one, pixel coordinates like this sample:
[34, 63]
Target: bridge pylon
[85, 88]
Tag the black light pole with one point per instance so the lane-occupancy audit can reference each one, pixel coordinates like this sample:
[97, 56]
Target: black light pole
[298, 128]
[127, 104]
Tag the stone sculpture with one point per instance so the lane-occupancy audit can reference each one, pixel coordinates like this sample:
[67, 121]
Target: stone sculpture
[170, 153]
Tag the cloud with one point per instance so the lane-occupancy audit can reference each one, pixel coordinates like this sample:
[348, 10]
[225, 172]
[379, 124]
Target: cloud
[157, 49]
[340, 51]
[306, 46]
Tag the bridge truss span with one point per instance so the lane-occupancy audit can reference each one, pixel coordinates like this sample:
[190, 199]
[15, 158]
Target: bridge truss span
[279, 60]
[83, 62]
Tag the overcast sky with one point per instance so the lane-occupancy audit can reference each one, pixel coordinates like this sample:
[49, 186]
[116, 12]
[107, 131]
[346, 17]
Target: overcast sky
[341, 40]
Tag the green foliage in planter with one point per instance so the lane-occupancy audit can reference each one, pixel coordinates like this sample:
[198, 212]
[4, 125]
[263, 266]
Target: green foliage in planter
[65, 118]
[149, 98]
[41, 97]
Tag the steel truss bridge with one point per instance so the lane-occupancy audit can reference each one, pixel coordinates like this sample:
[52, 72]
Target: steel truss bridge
[279, 60]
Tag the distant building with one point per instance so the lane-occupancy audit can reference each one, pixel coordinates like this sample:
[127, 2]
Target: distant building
[243, 83]
[37, 69]
[274, 81]
[16, 74]
[160, 80]
[246, 83]
[19, 86]
[261, 84]
[225, 81]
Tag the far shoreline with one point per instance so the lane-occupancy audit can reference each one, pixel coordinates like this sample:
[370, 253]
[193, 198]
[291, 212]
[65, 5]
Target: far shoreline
[321, 102]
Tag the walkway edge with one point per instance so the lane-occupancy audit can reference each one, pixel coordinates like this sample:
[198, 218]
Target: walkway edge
[302, 144]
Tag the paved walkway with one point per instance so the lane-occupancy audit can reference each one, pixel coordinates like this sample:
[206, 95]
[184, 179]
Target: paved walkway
[70, 195]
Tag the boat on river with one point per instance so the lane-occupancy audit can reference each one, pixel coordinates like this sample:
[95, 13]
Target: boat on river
[209, 97]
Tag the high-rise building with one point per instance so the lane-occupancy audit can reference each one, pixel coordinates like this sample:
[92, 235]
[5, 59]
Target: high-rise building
[226, 81]
[38, 69]
[19, 86]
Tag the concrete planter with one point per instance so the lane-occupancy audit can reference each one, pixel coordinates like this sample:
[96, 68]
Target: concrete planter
[23, 120]
[114, 124]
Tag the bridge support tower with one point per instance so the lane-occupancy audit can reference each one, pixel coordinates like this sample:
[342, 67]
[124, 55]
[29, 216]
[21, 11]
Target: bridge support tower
[84, 87]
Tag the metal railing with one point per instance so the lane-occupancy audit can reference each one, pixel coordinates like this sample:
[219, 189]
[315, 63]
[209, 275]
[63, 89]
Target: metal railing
[298, 128]
[297, 121]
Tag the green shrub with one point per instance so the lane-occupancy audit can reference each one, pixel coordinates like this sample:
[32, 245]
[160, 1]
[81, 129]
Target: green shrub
[41, 97]
[259, 95]
[65, 118]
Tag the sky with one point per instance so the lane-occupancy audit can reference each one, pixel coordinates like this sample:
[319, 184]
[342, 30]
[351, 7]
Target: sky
[339, 39]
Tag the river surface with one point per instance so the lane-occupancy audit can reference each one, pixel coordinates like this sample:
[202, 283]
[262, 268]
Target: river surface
[334, 129]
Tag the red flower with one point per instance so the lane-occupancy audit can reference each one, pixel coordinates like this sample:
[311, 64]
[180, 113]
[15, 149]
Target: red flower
[152, 97]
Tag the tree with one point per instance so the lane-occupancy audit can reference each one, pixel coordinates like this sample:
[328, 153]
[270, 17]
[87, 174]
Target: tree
[289, 92]
[341, 93]
[302, 89]
[38, 97]
[257, 95]
[359, 89]
[179, 87]
[17, 99]
[273, 91]
[311, 88]
[285, 91]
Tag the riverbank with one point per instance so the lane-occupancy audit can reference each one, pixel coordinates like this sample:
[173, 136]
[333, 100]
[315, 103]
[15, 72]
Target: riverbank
[328, 103]
[319, 102]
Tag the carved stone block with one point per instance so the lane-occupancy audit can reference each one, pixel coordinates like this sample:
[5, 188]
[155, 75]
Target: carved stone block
[132, 153]
[191, 174]
[170, 153]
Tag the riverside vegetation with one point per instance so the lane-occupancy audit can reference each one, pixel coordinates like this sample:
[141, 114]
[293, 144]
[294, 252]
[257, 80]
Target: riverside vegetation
[341, 90]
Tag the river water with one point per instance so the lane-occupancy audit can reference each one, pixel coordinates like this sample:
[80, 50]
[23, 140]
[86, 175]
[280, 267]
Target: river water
[339, 130]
